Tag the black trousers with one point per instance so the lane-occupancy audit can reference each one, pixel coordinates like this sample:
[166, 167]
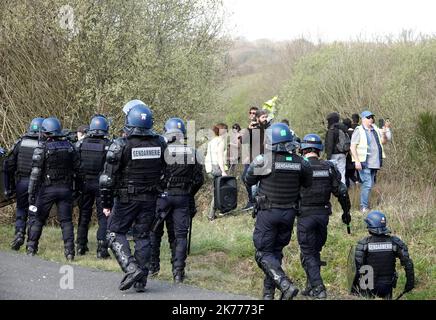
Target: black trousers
[123, 216]
[178, 221]
[272, 232]
[90, 195]
[62, 196]
[312, 235]
[22, 205]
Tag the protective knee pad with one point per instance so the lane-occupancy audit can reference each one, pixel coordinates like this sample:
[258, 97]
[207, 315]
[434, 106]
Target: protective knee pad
[35, 230]
[122, 256]
[276, 274]
[258, 257]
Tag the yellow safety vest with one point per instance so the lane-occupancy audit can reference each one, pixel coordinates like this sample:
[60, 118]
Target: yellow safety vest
[362, 147]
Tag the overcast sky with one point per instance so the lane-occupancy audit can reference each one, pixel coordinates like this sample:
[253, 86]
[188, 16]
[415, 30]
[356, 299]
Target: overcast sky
[329, 20]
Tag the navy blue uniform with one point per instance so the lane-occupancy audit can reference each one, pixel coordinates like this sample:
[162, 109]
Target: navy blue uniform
[51, 182]
[315, 208]
[280, 179]
[380, 252]
[92, 154]
[18, 165]
[131, 181]
[184, 177]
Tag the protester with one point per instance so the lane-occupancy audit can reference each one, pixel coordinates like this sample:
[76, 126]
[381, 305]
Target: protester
[215, 160]
[246, 140]
[332, 143]
[234, 147]
[368, 154]
[351, 176]
[81, 131]
[253, 138]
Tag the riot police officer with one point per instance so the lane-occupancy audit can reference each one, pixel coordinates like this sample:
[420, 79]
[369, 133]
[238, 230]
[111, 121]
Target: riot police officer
[130, 183]
[280, 175]
[315, 209]
[18, 166]
[92, 151]
[379, 251]
[52, 177]
[184, 177]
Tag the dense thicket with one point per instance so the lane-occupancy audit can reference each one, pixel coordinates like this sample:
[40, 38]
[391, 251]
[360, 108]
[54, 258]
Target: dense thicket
[92, 56]
[393, 80]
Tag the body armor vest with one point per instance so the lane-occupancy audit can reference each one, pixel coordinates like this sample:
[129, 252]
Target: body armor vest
[180, 166]
[380, 255]
[92, 156]
[316, 199]
[141, 165]
[25, 154]
[58, 162]
[282, 186]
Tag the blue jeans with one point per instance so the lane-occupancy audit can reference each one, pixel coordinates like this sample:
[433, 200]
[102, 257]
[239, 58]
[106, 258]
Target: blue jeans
[367, 176]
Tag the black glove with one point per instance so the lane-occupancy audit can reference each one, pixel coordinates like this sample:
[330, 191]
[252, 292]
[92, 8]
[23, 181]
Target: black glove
[346, 218]
[408, 287]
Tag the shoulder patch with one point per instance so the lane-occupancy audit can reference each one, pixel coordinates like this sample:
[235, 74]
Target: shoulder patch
[379, 246]
[321, 173]
[29, 143]
[146, 153]
[289, 166]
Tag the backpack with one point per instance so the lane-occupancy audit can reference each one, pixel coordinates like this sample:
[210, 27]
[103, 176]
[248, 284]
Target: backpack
[344, 142]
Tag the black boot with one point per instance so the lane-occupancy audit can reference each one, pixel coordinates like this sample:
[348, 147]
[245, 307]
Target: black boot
[306, 291]
[132, 275]
[82, 249]
[154, 269]
[18, 240]
[268, 294]
[140, 285]
[33, 235]
[289, 291]
[179, 276]
[269, 288]
[69, 254]
[102, 250]
[319, 292]
[276, 273]
[31, 251]
[121, 251]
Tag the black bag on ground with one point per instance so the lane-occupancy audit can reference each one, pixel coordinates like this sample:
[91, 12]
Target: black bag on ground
[225, 193]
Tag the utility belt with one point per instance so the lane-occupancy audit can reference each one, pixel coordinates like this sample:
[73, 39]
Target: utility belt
[132, 193]
[263, 203]
[57, 180]
[314, 210]
[178, 190]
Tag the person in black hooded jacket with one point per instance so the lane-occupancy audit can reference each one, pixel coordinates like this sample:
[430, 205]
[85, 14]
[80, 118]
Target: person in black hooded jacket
[331, 141]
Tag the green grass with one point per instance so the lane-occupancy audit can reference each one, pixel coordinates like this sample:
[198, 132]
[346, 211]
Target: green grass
[222, 254]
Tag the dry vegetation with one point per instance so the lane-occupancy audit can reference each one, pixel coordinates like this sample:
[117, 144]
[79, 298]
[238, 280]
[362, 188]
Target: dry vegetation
[179, 69]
